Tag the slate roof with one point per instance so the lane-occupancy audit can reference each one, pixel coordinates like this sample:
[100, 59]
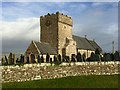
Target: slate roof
[95, 45]
[84, 43]
[45, 48]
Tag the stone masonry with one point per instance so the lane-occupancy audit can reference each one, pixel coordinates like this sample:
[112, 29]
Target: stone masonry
[56, 29]
[46, 71]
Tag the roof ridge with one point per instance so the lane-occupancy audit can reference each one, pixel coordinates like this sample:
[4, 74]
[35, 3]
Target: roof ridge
[34, 42]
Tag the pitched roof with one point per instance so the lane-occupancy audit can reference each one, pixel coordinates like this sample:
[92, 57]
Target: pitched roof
[95, 45]
[84, 43]
[45, 48]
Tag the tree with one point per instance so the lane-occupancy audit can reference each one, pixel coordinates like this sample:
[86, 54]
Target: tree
[97, 57]
[92, 57]
[116, 56]
[107, 57]
[112, 56]
[97, 51]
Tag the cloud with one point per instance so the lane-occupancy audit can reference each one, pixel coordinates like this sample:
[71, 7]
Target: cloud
[96, 20]
[14, 10]
[99, 23]
[61, 1]
[25, 28]
[17, 35]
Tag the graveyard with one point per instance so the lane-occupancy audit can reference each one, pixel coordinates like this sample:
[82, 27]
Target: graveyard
[20, 71]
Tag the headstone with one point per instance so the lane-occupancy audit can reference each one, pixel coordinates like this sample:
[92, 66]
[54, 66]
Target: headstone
[14, 58]
[28, 61]
[73, 59]
[21, 59]
[33, 58]
[6, 60]
[55, 58]
[51, 61]
[84, 57]
[42, 59]
[10, 58]
[59, 58]
[79, 58]
[47, 57]
[38, 59]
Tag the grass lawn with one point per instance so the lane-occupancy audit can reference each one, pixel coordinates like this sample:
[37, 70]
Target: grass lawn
[90, 81]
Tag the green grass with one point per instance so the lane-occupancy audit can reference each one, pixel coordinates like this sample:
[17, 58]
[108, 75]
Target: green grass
[91, 81]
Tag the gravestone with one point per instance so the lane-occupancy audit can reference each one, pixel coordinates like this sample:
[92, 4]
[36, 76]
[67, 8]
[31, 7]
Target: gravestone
[79, 57]
[28, 61]
[42, 59]
[6, 60]
[59, 57]
[47, 58]
[38, 59]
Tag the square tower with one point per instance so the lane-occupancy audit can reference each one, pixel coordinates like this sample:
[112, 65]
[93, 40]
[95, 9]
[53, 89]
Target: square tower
[55, 30]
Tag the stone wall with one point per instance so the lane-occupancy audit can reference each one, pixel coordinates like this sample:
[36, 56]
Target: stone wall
[46, 71]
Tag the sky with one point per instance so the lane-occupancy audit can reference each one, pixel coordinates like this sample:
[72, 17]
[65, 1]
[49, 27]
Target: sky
[21, 22]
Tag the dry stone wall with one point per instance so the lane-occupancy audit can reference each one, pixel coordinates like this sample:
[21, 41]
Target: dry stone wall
[46, 71]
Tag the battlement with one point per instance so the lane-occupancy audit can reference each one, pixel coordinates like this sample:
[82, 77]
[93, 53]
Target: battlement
[56, 14]
[58, 17]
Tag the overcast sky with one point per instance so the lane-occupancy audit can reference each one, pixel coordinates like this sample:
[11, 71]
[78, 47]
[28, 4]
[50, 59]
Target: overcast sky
[21, 23]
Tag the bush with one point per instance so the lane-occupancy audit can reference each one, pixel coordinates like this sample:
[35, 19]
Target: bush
[117, 56]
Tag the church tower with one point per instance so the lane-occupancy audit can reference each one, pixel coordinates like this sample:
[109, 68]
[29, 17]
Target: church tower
[56, 29]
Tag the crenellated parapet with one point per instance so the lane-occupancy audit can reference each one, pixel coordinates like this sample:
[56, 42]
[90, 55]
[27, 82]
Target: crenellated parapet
[57, 13]
[60, 17]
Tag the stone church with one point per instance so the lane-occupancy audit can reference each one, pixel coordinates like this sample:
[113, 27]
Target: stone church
[56, 38]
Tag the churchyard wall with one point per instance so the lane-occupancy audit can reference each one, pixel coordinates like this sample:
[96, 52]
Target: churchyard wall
[36, 71]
